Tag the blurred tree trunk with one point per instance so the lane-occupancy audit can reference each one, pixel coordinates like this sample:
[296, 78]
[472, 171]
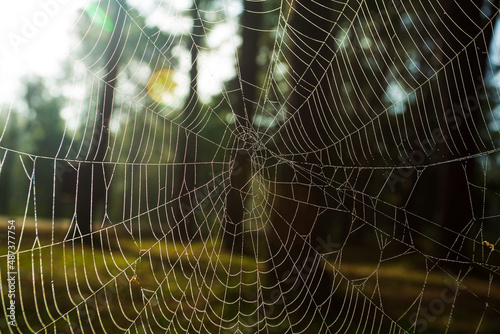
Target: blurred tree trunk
[297, 196]
[251, 22]
[9, 140]
[184, 182]
[461, 83]
[91, 174]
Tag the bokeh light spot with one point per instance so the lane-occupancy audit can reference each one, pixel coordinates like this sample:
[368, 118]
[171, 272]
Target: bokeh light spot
[99, 17]
[161, 84]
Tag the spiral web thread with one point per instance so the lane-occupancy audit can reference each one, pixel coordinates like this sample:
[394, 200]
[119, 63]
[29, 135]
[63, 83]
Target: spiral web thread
[388, 269]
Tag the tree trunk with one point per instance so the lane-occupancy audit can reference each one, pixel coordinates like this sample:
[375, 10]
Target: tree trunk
[91, 173]
[251, 22]
[463, 79]
[296, 196]
[184, 182]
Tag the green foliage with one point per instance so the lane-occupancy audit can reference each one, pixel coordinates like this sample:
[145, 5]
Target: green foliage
[39, 133]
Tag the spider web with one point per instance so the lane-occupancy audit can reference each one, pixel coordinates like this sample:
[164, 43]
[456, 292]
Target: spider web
[370, 148]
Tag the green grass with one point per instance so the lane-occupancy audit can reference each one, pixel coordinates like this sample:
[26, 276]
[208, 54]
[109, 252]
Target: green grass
[156, 286]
